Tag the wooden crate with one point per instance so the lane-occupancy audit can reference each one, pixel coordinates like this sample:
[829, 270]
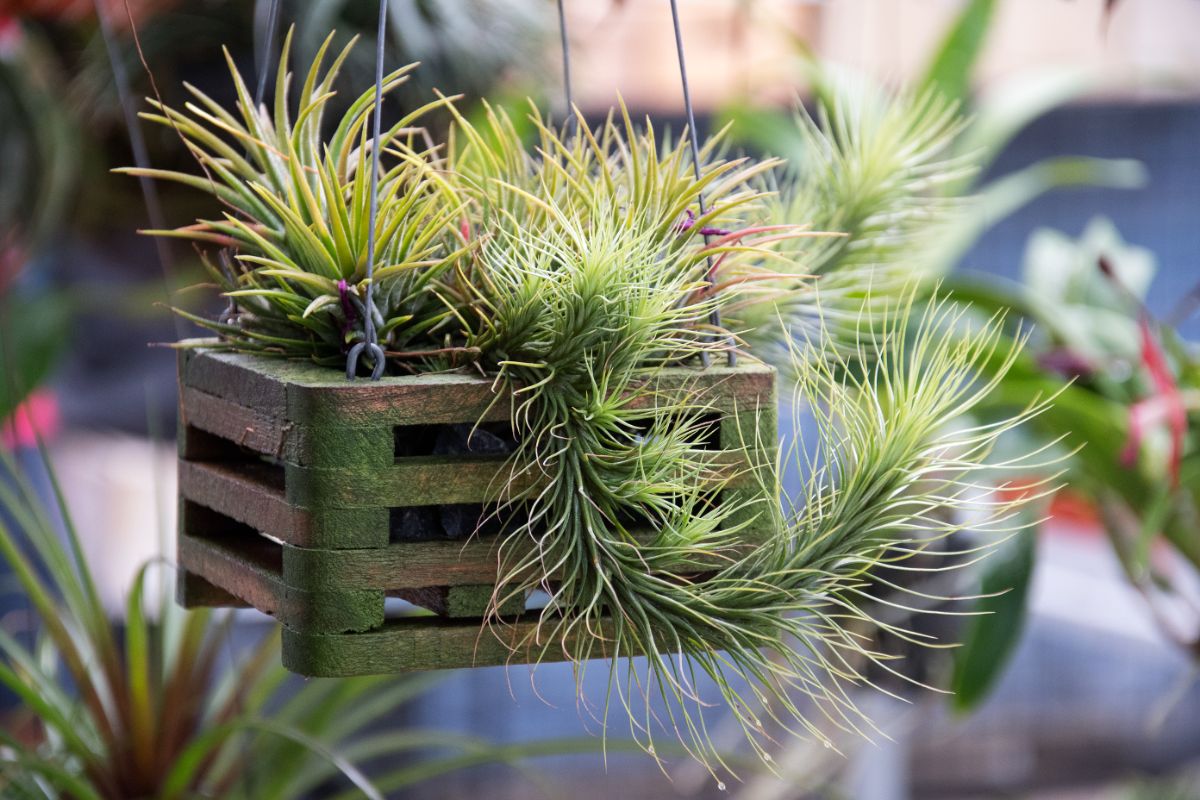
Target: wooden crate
[297, 488]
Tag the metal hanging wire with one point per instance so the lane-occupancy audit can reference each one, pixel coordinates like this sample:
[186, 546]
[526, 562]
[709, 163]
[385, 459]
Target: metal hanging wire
[714, 316]
[370, 343]
[141, 156]
[566, 68]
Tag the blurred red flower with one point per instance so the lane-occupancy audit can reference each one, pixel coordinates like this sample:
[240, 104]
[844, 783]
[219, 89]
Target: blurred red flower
[1165, 405]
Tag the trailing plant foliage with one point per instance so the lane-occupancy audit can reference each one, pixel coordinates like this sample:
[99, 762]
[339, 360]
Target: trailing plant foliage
[773, 630]
[573, 275]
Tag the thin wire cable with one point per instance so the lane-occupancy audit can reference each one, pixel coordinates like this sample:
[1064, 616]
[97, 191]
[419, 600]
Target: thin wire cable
[141, 156]
[566, 68]
[266, 45]
[714, 316]
[370, 343]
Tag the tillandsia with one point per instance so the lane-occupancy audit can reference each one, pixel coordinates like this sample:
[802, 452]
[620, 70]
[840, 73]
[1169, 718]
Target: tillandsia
[873, 165]
[574, 275]
[773, 632]
[608, 190]
[298, 216]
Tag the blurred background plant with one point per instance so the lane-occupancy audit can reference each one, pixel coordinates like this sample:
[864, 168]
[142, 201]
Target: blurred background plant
[170, 703]
[904, 172]
[39, 146]
[1128, 384]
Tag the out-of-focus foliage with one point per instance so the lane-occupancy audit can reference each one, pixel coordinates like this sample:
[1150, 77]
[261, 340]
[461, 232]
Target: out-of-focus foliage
[40, 166]
[468, 47]
[1129, 393]
[872, 165]
[39, 148]
[147, 707]
[992, 120]
[61, 128]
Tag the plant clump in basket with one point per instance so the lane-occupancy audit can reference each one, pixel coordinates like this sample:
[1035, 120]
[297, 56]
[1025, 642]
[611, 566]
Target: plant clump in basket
[572, 273]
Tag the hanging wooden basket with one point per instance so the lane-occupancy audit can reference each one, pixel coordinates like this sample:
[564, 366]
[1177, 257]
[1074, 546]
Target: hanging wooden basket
[314, 499]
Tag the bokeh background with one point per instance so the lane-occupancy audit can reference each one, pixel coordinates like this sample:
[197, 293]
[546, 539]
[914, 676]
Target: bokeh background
[1099, 699]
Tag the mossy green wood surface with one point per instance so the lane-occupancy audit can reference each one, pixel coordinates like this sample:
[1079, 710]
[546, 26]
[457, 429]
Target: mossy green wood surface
[248, 567]
[288, 474]
[413, 644]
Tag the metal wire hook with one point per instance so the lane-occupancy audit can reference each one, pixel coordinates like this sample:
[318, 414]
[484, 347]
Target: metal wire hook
[374, 352]
[141, 155]
[370, 341]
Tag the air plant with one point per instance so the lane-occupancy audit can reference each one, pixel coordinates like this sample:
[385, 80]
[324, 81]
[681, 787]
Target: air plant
[870, 165]
[779, 623]
[299, 213]
[584, 313]
[572, 276]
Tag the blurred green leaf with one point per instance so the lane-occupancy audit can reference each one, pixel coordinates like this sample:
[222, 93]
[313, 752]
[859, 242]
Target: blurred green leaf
[767, 130]
[1006, 111]
[33, 335]
[950, 69]
[40, 144]
[991, 638]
